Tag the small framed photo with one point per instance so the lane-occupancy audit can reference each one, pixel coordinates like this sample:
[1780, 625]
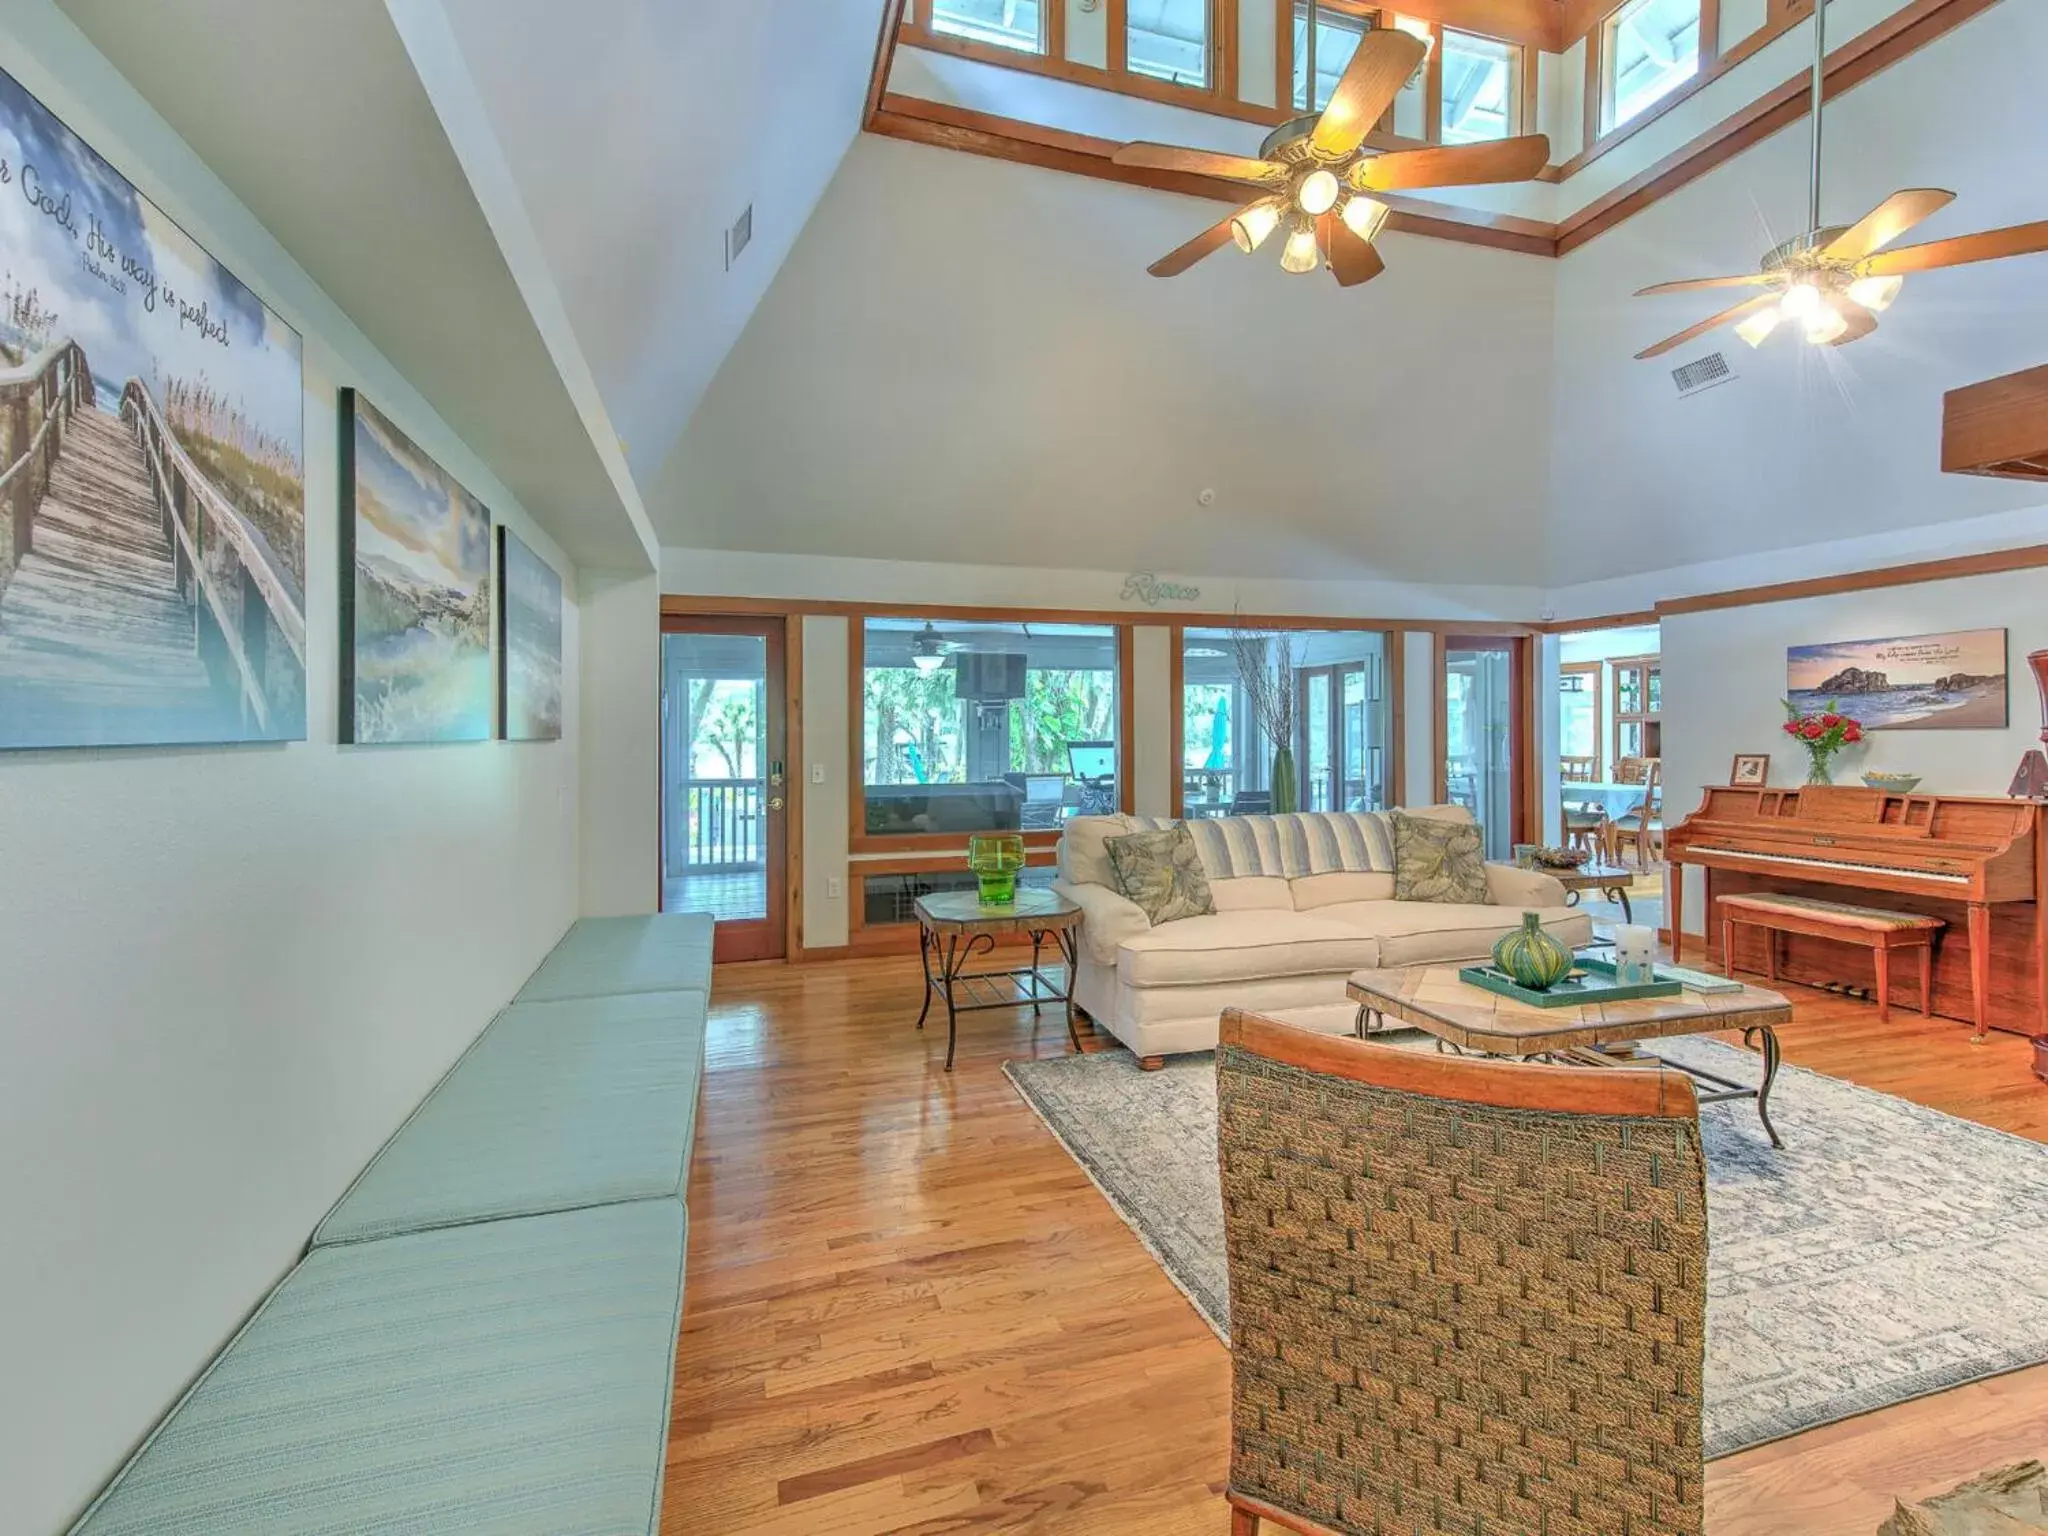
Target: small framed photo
[1751, 770]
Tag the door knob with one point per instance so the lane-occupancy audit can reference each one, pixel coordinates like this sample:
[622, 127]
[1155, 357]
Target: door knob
[775, 803]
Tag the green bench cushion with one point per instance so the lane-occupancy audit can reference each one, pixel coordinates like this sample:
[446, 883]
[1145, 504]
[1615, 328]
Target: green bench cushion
[509, 1378]
[602, 956]
[556, 1106]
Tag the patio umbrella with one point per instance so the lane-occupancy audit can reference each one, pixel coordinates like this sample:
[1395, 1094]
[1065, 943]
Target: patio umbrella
[1219, 735]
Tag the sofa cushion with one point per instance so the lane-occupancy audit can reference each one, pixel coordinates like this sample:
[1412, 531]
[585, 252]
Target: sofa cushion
[554, 1107]
[1084, 852]
[1243, 946]
[1249, 892]
[1436, 933]
[1438, 861]
[601, 956]
[507, 1376]
[1161, 874]
[1313, 891]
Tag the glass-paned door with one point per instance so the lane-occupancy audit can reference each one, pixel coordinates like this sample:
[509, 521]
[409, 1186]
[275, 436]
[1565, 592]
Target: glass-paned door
[1482, 736]
[724, 789]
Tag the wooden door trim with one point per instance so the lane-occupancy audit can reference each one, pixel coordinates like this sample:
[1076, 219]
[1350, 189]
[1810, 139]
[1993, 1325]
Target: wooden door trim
[1522, 786]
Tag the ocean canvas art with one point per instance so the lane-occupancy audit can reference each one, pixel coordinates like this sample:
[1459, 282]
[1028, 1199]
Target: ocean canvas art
[153, 511]
[1946, 682]
[416, 591]
[530, 643]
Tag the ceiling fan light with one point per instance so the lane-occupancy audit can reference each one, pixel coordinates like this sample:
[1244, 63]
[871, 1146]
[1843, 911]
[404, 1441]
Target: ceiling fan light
[1301, 254]
[1250, 228]
[1876, 293]
[1824, 325]
[1366, 217]
[1801, 300]
[927, 651]
[1756, 330]
[1317, 193]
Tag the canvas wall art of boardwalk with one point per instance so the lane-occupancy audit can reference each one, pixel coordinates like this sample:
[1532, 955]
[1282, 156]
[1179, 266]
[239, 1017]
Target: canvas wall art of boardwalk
[152, 498]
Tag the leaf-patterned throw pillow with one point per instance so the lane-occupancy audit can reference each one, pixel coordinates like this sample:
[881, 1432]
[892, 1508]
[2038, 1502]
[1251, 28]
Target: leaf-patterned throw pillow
[1162, 873]
[1441, 861]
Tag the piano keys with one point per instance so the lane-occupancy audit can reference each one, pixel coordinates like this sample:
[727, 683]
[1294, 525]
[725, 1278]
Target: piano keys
[1982, 864]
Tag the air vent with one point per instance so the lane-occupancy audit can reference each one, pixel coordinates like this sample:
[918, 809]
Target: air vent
[737, 237]
[1705, 374]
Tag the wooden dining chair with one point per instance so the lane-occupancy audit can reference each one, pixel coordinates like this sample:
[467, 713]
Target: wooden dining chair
[1584, 823]
[1644, 823]
[1440, 1263]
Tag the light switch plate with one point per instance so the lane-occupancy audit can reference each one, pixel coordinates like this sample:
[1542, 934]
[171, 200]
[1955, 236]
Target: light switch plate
[817, 773]
[835, 888]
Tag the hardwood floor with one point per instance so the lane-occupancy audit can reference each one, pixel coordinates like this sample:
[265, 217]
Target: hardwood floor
[909, 1311]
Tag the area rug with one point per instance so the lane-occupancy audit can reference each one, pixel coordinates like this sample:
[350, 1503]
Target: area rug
[1886, 1252]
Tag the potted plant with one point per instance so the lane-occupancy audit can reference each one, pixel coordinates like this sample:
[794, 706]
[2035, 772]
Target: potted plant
[1822, 733]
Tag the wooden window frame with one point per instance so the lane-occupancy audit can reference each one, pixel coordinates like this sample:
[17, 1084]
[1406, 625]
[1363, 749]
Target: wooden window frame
[1644, 717]
[1710, 64]
[1594, 670]
[1393, 636]
[1221, 97]
[865, 938]
[859, 839]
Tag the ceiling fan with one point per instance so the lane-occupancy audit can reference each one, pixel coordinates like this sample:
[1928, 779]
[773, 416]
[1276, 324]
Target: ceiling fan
[1318, 177]
[1834, 280]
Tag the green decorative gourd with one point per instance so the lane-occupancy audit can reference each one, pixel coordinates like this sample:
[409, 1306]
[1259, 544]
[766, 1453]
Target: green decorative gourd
[1531, 956]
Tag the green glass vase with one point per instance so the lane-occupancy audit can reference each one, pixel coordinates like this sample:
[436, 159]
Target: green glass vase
[995, 858]
[1531, 956]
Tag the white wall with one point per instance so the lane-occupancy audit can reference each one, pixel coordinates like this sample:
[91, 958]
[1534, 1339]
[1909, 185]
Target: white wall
[621, 767]
[1724, 674]
[228, 974]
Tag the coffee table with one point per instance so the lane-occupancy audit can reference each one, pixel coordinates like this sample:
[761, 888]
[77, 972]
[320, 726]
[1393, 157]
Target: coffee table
[1471, 1020]
[953, 927]
[1611, 880]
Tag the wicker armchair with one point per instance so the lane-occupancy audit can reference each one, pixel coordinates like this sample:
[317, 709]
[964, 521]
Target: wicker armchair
[1467, 1297]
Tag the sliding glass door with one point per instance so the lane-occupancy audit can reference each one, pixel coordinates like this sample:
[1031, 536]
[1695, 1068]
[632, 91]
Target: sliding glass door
[1483, 733]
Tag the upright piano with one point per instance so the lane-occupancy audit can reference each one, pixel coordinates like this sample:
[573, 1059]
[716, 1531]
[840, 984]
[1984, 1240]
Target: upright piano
[1981, 864]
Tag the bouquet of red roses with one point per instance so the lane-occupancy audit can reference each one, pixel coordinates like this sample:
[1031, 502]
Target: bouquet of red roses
[1823, 734]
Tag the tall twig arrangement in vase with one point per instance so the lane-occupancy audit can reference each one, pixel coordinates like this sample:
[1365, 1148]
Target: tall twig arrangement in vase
[1265, 668]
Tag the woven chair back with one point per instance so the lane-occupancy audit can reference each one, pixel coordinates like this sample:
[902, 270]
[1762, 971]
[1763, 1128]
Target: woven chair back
[1466, 1297]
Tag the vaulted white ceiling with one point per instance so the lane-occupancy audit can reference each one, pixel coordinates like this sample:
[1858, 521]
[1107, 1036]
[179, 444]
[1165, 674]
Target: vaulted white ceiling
[930, 356]
[637, 131]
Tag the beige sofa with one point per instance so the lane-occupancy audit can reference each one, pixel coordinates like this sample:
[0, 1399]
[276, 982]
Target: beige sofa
[1277, 943]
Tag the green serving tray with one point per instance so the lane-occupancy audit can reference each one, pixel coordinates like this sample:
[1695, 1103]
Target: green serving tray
[1596, 985]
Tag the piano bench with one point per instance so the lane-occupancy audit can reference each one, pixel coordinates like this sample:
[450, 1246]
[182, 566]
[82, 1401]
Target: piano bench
[1871, 928]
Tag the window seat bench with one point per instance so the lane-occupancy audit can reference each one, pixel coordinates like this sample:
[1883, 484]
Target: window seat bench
[482, 1335]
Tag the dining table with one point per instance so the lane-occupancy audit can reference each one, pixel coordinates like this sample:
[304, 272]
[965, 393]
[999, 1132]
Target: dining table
[1612, 800]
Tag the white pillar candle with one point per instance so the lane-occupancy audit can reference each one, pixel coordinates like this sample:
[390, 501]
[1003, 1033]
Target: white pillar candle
[1635, 953]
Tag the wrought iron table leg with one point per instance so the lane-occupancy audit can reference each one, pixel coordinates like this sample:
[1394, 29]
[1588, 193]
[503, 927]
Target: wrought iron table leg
[1763, 1092]
[1620, 894]
[1069, 942]
[1037, 944]
[952, 1014]
[927, 941]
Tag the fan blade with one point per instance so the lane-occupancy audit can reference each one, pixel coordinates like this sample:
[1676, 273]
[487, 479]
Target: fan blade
[1693, 284]
[1726, 317]
[1886, 222]
[1861, 323]
[1353, 260]
[1378, 70]
[1207, 243]
[1992, 245]
[1460, 165]
[1197, 162]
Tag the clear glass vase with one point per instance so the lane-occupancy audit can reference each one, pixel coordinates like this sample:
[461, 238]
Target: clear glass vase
[1817, 769]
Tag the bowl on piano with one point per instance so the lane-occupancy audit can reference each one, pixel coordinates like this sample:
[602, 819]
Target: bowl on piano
[1893, 783]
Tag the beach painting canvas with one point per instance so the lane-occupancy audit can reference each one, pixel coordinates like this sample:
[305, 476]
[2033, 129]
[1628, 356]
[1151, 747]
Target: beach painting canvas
[416, 590]
[153, 510]
[529, 643]
[1947, 682]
